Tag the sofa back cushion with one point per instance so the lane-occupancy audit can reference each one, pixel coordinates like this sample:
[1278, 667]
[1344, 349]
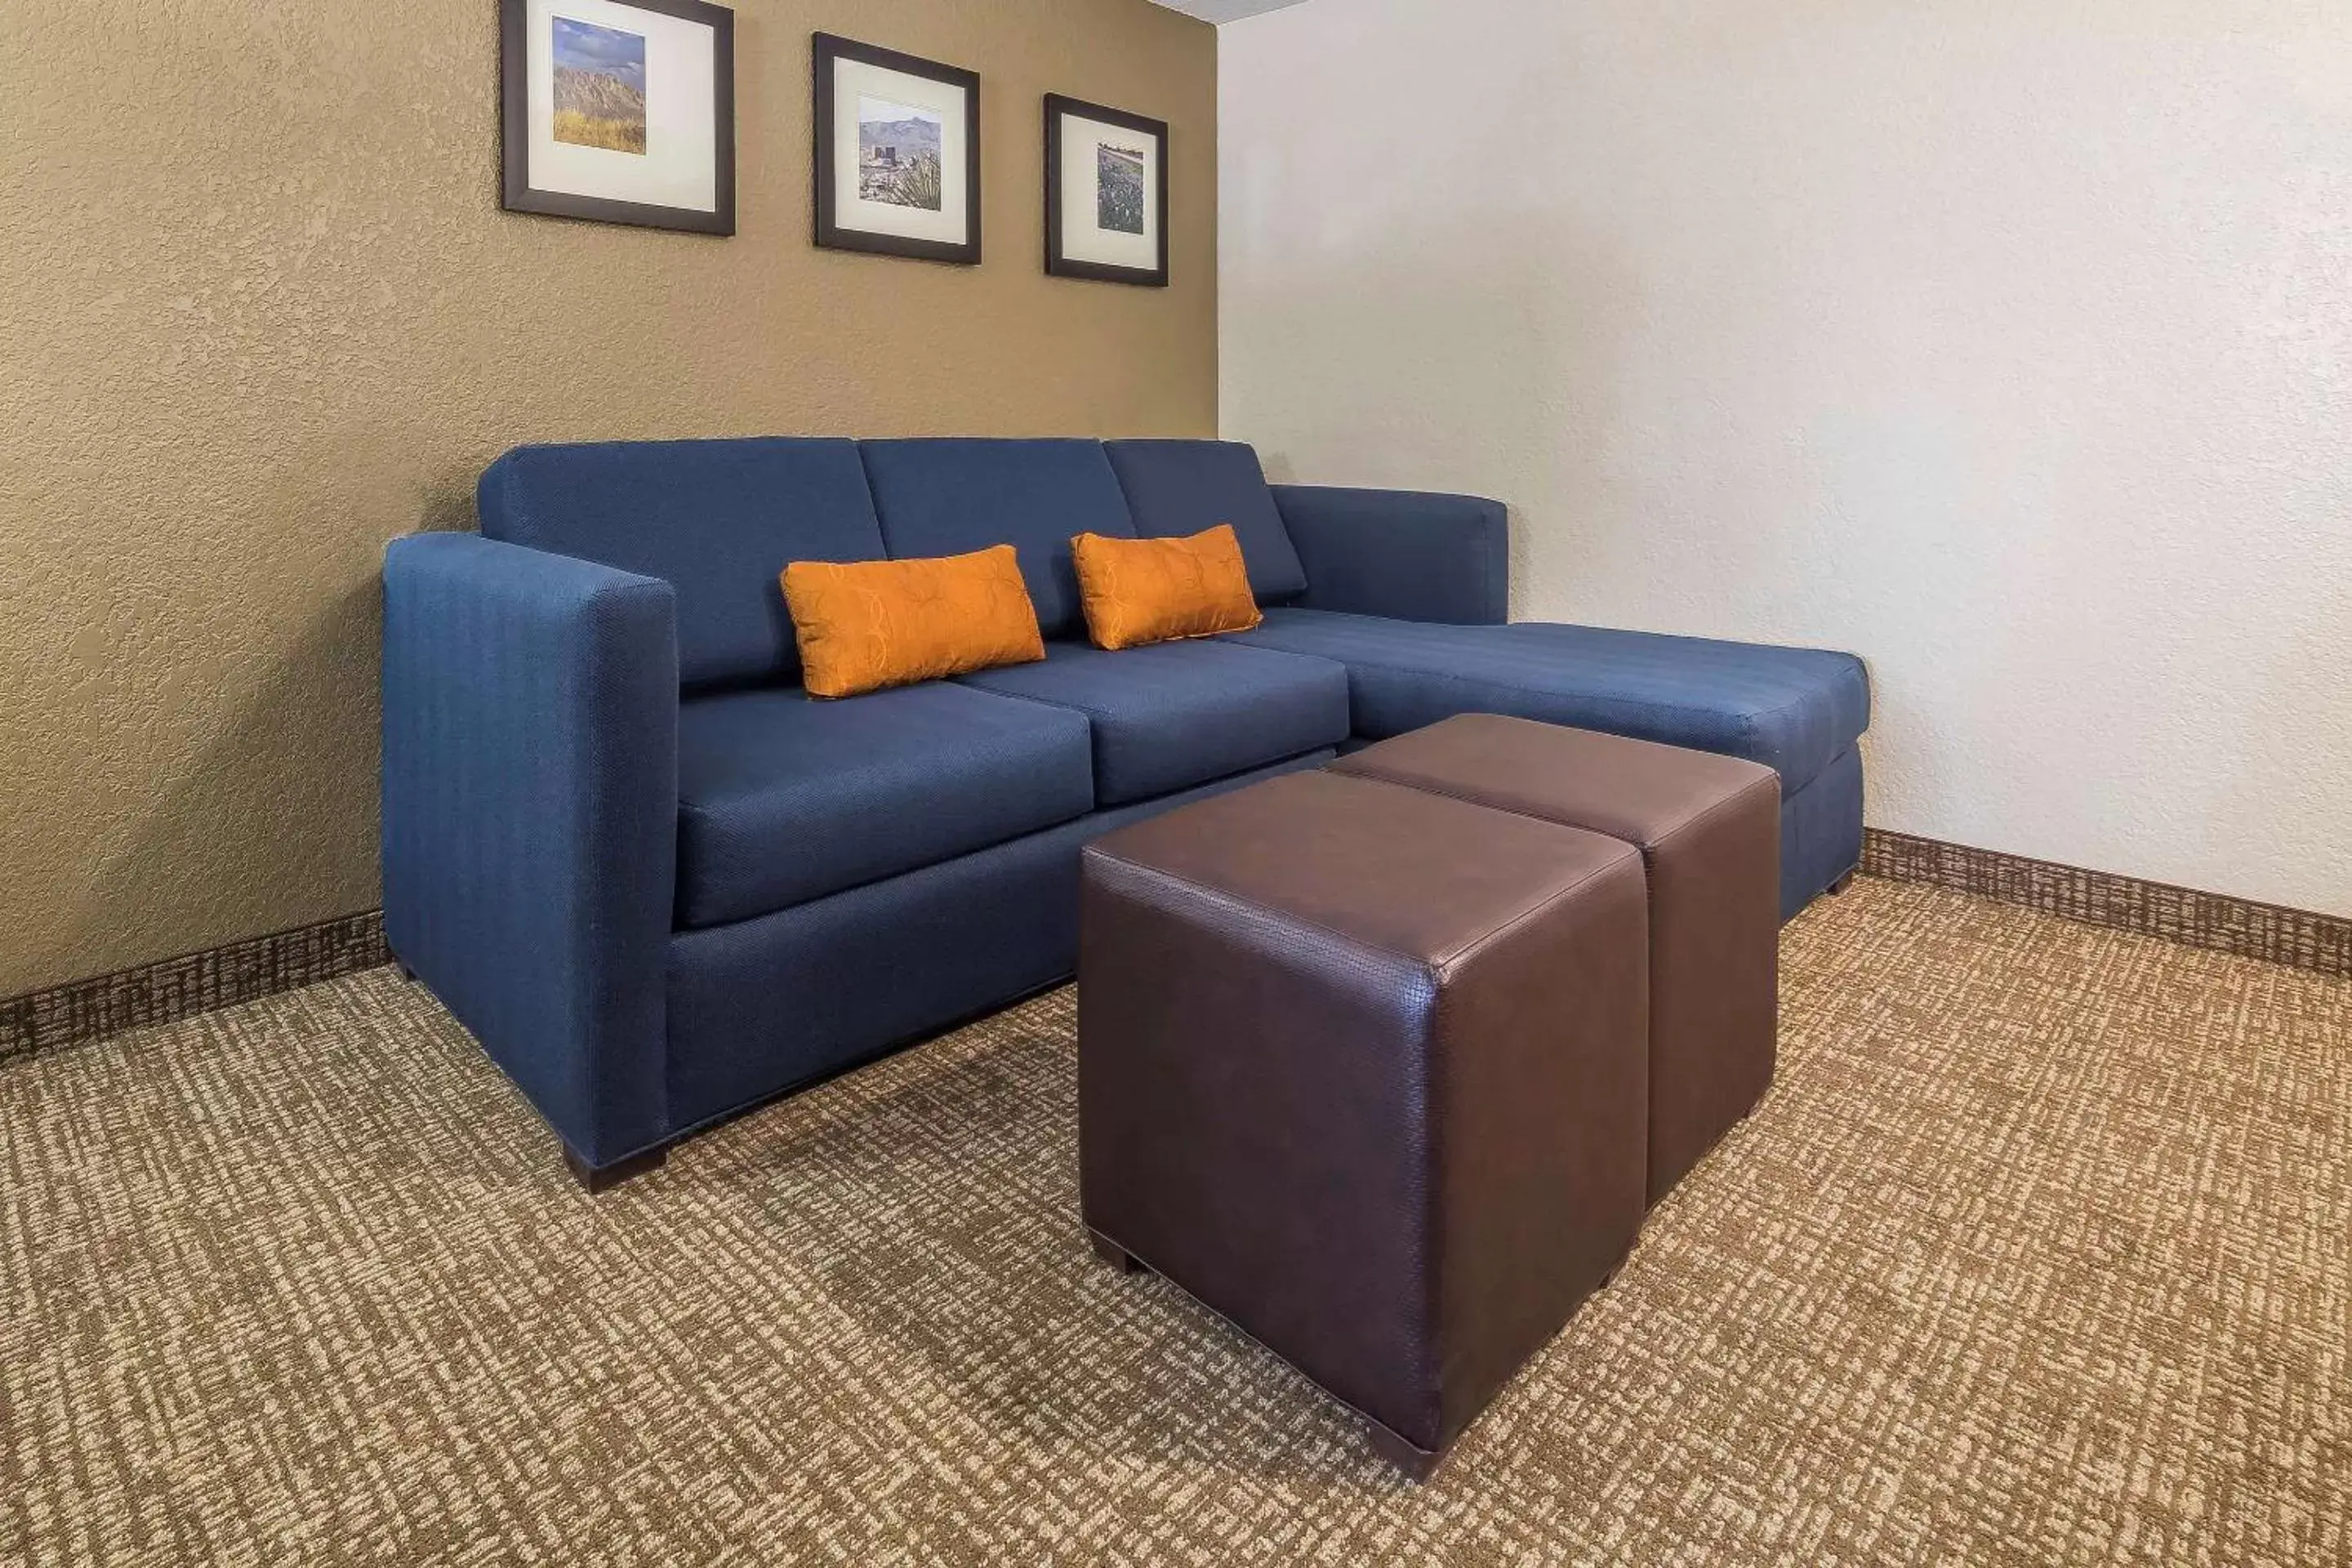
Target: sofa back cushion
[717, 520]
[954, 496]
[1177, 489]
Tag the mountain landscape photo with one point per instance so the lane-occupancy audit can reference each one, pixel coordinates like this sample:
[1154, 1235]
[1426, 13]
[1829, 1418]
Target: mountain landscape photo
[600, 87]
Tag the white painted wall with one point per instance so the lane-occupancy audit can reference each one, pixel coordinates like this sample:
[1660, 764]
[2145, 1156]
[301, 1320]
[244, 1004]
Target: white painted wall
[1225, 10]
[2004, 342]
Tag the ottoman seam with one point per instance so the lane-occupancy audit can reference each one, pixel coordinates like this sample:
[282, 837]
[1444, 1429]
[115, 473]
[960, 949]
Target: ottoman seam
[1471, 948]
[1438, 967]
[1221, 895]
[1451, 793]
[1737, 797]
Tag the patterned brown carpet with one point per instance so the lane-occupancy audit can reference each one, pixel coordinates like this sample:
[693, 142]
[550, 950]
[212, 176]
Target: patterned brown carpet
[2041, 1252]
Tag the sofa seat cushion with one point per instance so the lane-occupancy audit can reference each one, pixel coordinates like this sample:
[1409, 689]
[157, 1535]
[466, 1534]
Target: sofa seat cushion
[1177, 714]
[783, 797]
[1793, 709]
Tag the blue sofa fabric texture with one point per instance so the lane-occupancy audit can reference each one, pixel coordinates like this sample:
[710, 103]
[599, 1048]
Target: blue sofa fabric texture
[765, 1004]
[1176, 714]
[1177, 489]
[717, 520]
[530, 784]
[953, 497]
[1821, 833]
[784, 797]
[1404, 556]
[1792, 709]
[660, 883]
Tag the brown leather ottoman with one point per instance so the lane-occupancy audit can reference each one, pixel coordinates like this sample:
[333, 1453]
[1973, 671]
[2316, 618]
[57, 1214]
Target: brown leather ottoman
[1364, 1070]
[1709, 828]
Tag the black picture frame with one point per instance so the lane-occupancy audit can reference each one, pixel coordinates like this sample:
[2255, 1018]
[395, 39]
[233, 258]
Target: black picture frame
[1057, 107]
[826, 50]
[518, 193]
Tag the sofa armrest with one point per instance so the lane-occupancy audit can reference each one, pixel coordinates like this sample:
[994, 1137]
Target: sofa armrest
[1403, 554]
[530, 818]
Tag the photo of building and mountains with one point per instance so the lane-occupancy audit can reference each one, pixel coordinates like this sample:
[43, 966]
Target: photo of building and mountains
[898, 155]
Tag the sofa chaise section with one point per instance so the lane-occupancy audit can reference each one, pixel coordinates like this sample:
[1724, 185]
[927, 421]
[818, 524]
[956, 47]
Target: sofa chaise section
[1796, 711]
[1410, 592]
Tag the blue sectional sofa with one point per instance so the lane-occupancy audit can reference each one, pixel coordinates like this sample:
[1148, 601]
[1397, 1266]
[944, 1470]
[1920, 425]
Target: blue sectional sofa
[661, 884]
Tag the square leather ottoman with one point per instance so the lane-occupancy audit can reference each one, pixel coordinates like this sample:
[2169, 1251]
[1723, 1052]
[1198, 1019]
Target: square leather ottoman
[1708, 827]
[1364, 1070]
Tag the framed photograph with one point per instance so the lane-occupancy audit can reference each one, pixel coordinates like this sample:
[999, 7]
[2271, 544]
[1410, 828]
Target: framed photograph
[1106, 193]
[897, 153]
[620, 111]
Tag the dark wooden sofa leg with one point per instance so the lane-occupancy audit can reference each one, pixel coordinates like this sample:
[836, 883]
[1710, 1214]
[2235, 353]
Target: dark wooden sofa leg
[1841, 885]
[1112, 1253]
[597, 1178]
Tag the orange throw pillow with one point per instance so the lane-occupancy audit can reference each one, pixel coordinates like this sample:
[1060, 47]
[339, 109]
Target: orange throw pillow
[865, 625]
[1140, 591]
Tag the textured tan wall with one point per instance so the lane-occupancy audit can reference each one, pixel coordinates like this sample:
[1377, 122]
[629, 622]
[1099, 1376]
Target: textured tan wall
[259, 312]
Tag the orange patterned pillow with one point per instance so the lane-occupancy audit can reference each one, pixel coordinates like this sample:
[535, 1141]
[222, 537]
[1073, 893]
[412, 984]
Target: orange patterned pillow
[1140, 591]
[865, 625]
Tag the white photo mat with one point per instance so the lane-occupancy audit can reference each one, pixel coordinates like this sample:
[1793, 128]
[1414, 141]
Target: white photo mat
[679, 167]
[854, 81]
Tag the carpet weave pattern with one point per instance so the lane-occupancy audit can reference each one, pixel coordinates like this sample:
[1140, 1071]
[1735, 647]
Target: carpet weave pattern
[2037, 1253]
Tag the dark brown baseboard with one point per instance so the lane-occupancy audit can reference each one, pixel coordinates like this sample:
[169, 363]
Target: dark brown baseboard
[2298, 938]
[194, 982]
